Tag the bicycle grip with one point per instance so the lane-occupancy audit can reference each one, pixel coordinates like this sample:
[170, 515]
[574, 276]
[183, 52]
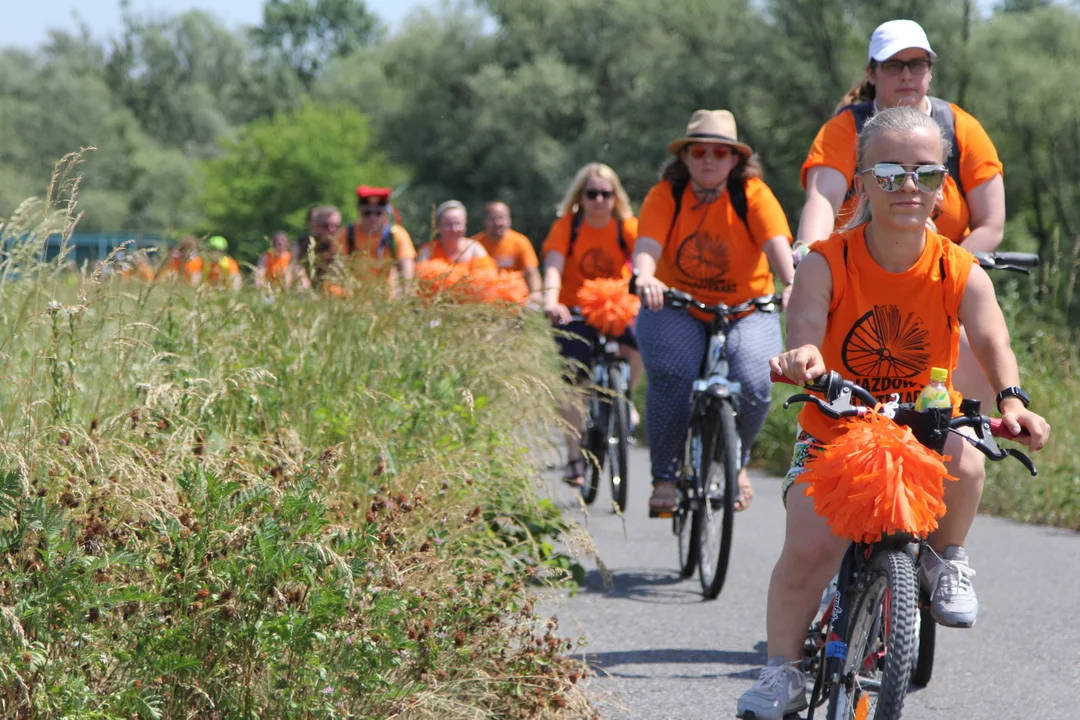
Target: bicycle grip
[1018, 259]
[998, 429]
[782, 378]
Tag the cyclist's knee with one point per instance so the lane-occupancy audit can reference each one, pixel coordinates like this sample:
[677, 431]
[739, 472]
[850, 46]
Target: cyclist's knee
[965, 462]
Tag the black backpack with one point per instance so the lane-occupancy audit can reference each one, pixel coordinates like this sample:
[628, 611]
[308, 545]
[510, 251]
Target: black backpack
[942, 113]
[386, 242]
[736, 192]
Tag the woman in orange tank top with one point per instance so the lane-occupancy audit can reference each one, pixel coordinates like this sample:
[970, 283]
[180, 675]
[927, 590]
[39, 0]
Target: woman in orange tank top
[451, 243]
[881, 303]
[275, 266]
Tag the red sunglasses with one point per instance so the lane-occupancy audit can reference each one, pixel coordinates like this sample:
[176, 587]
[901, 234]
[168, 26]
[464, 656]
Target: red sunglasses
[720, 152]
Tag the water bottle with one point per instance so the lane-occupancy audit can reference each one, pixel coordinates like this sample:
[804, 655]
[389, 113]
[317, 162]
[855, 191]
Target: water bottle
[935, 395]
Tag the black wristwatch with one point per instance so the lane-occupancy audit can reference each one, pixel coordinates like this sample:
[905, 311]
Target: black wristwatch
[1015, 392]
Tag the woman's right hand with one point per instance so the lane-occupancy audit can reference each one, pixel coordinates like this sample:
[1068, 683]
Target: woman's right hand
[557, 313]
[801, 365]
[651, 291]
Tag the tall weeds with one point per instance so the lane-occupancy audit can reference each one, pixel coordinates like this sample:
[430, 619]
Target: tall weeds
[236, 505]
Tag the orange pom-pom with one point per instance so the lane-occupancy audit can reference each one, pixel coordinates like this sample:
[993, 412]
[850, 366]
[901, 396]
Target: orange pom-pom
[607, 306]
[877, 479]
[473, 281]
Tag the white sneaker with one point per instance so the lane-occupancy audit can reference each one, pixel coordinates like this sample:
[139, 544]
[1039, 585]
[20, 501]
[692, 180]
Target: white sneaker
[947, 578]
[780, 691]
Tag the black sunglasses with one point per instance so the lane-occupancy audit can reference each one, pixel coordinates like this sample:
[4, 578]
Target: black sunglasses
[369, 211]
[918, 66]
[598, 194]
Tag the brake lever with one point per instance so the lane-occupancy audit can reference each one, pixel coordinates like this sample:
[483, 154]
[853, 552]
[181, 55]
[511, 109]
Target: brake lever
[984, 442]
[838, 409]
[1013, 268]
[1024, 460]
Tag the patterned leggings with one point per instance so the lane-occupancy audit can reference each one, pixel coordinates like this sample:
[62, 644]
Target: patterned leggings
[673, 344]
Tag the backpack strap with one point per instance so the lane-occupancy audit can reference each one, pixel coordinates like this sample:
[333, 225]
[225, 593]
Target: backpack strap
[737, 195]
[350, 237]
[943, 114]
[386, 243]
[860, 112]
[678, 189]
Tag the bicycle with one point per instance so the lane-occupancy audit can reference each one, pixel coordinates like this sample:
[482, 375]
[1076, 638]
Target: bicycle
[708, 485]
[607, 421]
[862, 651]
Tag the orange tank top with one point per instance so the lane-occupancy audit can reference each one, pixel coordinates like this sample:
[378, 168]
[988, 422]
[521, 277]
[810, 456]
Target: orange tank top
[886, 330]
[484, 262]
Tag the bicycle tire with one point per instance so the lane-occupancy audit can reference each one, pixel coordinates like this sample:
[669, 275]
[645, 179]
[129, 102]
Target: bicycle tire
[887, 637]
[924, 662]
[716, 511]
[618, 438]
[595, 441]
[685, 521]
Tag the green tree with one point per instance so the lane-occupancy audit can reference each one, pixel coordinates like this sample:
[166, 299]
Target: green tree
[310, 33]
[276, 169]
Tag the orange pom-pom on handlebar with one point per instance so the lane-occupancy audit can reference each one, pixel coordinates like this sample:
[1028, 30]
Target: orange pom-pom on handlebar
[479, 282]
[607, 306]
[876, 479]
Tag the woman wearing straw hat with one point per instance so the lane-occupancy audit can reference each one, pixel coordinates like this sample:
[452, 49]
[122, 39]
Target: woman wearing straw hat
[710, 228]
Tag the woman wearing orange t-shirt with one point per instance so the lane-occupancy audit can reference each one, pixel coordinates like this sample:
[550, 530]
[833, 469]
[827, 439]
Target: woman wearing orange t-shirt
[971, 207]
[589, 241]
[881, 302]
[451, 243]
[275, 266]
[708, 251]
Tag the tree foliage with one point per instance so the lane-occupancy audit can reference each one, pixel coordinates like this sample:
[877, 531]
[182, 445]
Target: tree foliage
[277, 168]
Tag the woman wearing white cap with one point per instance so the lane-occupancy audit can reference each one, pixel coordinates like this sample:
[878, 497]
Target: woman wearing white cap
[710, 228]
[971, 206]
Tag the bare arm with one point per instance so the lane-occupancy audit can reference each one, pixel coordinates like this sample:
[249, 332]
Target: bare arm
[986, 204]
[535, 283]
[407, 268]
[554, 263]
[825, 191]
[778, 250]
[989, 338]
[808, 316]
[651, 291]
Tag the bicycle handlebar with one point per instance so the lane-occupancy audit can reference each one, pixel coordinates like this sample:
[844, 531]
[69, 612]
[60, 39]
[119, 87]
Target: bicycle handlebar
[681, 300]
[1013, 261]
[838, 405]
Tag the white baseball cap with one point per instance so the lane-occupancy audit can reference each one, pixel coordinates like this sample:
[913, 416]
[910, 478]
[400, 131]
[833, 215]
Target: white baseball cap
[896, 35]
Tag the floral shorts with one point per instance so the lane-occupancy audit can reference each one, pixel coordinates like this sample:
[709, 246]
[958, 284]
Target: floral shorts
[805, 444]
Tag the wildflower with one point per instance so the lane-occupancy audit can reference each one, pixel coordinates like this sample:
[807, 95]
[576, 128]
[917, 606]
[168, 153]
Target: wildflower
[328, 690]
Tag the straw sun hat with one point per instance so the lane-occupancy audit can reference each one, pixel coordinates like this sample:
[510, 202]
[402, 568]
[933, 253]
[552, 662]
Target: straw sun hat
[711, 126]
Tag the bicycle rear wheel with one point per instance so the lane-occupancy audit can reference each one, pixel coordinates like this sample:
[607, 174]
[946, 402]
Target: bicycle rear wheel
[618, 437]
[880, 638]
[716, 511]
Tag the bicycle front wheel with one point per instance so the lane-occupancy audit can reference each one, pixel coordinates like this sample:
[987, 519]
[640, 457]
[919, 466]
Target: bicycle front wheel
[881, 637]
[618, 437]
[719, 473]
[595, 441]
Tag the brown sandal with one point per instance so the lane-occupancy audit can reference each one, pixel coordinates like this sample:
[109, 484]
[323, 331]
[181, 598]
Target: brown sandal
[664, 499]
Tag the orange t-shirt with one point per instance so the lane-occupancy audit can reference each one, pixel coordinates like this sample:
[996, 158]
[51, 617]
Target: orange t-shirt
[224, 267]
[836, 146]
[886, 330]
[596, 253]
[276, 265]
[484, 262]
[513, 252]
[177, 267]
[710, 253]
[369, 244]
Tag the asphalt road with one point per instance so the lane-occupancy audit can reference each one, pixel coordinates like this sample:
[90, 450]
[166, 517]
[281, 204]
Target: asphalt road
[662, 652]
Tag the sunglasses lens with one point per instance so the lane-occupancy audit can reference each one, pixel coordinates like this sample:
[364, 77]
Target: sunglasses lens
[929, 179]
[697, 152]
[722, 152]
[598, 194]
[890, 178]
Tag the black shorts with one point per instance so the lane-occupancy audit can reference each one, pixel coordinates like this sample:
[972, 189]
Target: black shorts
[579, 348]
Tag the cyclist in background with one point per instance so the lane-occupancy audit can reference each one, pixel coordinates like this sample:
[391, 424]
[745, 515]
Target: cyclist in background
[451, 244]
[882, 301]
[510, 249]
[221, 269]
[710, 228]
[275, 266]
[971, 209]
[184, 263]
[590, 240]
[374, 236]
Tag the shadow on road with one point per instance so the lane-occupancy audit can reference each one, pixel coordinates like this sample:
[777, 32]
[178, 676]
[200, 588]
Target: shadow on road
[605, 663]
[662, 587]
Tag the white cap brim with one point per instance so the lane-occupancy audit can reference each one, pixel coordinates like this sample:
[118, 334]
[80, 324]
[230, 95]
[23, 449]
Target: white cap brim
[897, 47]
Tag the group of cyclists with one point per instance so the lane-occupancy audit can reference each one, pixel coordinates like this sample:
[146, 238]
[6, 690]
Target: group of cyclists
[900, 187]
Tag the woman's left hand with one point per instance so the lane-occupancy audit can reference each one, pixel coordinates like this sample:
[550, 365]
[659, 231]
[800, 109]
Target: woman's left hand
[1018, 421]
